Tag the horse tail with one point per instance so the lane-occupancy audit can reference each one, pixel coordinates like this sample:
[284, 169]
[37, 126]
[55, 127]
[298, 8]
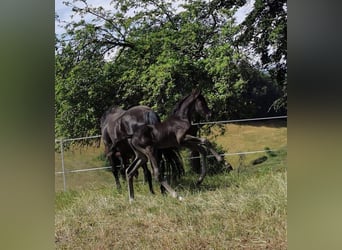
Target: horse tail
[174, 167]
[151, 118]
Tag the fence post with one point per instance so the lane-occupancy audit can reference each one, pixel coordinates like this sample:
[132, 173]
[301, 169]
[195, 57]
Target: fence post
[63, 169]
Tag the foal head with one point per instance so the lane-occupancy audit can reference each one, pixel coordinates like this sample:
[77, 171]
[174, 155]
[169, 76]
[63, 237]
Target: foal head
[193, 102]
[201, 107]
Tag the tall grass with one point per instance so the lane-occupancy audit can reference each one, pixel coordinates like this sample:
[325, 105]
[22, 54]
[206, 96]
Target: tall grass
[243, 209]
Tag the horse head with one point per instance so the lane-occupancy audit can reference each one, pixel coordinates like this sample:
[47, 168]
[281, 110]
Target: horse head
[201, 107]
[193, 102]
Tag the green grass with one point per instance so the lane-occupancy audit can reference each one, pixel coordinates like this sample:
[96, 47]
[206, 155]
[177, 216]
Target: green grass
[243, 209]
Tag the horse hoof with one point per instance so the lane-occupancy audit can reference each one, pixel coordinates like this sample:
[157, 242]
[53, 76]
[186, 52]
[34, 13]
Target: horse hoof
[180, 198]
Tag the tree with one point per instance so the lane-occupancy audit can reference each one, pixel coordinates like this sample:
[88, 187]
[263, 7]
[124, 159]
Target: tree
[82, 88]
[158, 55]
[264, 32]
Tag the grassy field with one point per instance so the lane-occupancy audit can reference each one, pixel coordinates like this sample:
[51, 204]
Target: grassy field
[243, 209]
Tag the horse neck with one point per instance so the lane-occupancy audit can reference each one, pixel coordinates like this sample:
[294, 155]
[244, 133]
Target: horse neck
[186, 109]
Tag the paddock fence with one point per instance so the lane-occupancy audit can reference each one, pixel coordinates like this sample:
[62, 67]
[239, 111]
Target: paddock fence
[70, 163]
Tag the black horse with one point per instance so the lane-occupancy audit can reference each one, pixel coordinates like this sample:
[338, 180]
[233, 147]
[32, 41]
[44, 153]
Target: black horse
[115, 124]
[173, 132]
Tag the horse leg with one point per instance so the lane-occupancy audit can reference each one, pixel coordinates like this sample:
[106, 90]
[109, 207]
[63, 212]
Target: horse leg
[202, 141]
[203, 152]
[199, 143]
[148, 177]
[129, 175]
[122, 168]
[151, 156]
[116, 177]
[110, 154]
[115, 171]
[140, 159]
[163, 169]
[212, 150]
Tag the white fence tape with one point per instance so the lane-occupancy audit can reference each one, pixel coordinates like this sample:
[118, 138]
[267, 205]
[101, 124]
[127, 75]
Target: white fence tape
[188, 158]
[242, 120]
[82, 170]
[199, 123]
[62, 141]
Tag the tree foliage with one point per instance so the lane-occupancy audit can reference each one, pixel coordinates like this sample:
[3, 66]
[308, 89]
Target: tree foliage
[264, 32]
[158, 54]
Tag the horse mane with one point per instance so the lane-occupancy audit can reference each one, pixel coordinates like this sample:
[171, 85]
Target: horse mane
[111, 110]
[180, 103]
[114, 109]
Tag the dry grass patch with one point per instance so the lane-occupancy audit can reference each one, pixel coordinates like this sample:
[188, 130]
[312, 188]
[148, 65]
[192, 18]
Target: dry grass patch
[253, 137]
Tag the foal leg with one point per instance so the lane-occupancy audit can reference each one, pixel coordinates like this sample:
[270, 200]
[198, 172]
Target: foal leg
[123, 168]
[162, 169]
[203, 152]
[202, 141]
[129, 174]
[148, 177]
[157, 175]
